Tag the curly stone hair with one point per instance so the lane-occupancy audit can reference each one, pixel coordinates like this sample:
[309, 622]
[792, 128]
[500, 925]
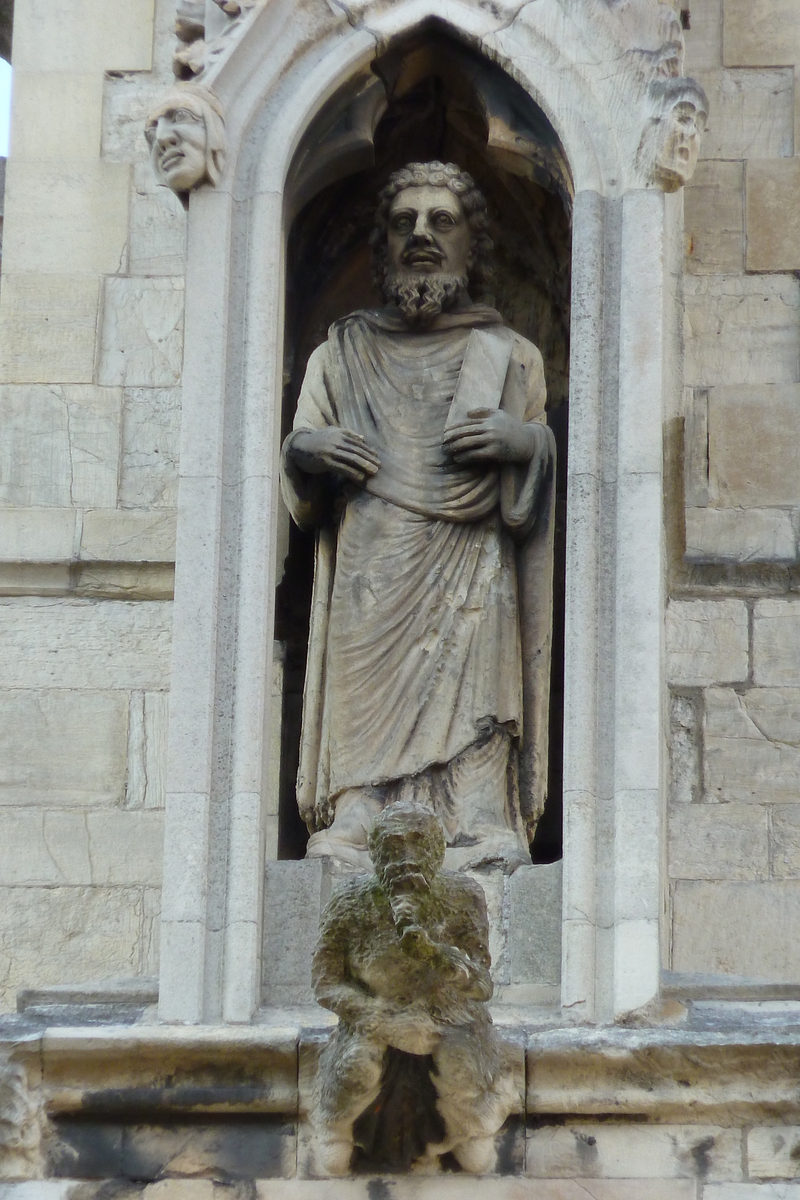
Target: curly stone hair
[461, 184]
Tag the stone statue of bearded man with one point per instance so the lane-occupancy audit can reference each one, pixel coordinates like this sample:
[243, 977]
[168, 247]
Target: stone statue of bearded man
[420, 453]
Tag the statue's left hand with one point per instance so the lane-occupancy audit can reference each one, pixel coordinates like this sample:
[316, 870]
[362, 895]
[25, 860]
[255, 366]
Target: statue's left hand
[494, 437]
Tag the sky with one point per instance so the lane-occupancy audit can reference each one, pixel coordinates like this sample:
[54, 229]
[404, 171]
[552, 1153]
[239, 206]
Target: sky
[5, 106]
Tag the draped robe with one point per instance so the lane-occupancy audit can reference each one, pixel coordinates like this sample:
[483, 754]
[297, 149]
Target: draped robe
[432, 599]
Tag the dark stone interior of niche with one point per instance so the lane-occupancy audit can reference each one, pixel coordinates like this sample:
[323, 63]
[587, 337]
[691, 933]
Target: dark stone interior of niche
[329, 275]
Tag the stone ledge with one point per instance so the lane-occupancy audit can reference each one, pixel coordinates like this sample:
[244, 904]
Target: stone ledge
[381, 1187]
[666, 1074]
[97, 580]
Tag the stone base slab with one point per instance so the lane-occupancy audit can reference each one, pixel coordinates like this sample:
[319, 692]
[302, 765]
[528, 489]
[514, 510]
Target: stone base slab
[220, 1113]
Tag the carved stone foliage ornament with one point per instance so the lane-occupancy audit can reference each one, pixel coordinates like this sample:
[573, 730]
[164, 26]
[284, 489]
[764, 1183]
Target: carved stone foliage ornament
[415, 1068]
[422, 425]
[186, 135]
[612, 54]
[206, 31]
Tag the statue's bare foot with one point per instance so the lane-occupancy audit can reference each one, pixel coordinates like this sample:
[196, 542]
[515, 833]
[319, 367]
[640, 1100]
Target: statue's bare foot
[325, 845]
[333, 1156]
[476, 1155]
[502, 849]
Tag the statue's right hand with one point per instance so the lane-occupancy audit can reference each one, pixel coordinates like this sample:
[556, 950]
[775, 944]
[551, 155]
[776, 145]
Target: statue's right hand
[340, 450]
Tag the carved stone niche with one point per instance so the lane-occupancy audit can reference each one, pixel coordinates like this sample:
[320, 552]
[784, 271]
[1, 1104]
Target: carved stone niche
[546, 105]
[428, 99]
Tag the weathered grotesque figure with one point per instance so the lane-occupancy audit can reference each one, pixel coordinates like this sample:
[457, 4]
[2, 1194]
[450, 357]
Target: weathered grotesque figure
[186, 135]
[671, 141]
[429, 651]
[403, 960]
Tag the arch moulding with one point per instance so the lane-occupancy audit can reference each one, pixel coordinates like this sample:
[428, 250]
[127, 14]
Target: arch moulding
[594, 68]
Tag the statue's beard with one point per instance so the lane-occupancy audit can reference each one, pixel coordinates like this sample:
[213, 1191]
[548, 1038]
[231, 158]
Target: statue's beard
[406, 886]
[420, 298]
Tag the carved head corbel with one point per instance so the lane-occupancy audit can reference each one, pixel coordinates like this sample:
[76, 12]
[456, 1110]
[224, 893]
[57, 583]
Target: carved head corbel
[186, 135]
[670, 143]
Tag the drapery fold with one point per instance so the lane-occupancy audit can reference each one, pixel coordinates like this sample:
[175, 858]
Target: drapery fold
[432, 600]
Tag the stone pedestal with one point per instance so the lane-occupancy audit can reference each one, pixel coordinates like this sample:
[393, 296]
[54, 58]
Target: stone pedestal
[524, 932]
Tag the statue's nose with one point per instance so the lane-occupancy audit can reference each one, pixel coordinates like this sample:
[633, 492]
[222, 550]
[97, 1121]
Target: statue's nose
[165, 133]
[421, 233]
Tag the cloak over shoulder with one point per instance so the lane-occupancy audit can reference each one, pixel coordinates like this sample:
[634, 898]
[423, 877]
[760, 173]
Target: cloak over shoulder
[432, 604]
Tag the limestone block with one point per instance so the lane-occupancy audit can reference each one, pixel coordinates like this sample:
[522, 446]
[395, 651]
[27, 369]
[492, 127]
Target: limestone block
[84, 35]
[62, 747]
[608, 1150]
[751, 1191]
[753, 455]
[141, 340]
[752, 745]
[462, 1187]
[180, 1189]
[123, 581]
[741, 329]
[534, 935]
[114, 534]
[740, 535]
[760, 33]
[750, 929]
[60, 445]
[718, 841]
[78, 934]
[713, 221]
[294, 895]
[773, 1152]
[151, 931]
[704, 36]
[37, 534]
[102, 848]
[772, 214]
[684, 748]
[48, 325]
[127, 100]
[147, 750]
[695, 447]
[776, 643]
[785, 841]
[66, 217]
[706, 641]
[56, 115]
[150, 440]
[750, 113]
[84, 644]
[39, 1189]
[35, 579]
[157, 227]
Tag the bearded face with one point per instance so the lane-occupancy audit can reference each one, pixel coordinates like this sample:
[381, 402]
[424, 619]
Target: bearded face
[429, 246]
[407, 851]
[420, 298]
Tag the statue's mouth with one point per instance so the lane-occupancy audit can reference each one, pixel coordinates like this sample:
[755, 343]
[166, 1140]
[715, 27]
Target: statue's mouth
[420, 257]
[171, 159]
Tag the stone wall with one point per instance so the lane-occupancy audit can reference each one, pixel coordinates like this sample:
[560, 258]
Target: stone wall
[733, 625]
[91, 349]
[91, 345]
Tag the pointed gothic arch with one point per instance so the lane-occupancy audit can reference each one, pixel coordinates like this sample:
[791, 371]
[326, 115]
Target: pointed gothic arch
[587, 67]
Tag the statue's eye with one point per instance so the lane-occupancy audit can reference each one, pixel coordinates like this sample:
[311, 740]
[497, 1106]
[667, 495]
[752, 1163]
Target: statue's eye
[183, 114]
[402, 223]
[443, 220]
